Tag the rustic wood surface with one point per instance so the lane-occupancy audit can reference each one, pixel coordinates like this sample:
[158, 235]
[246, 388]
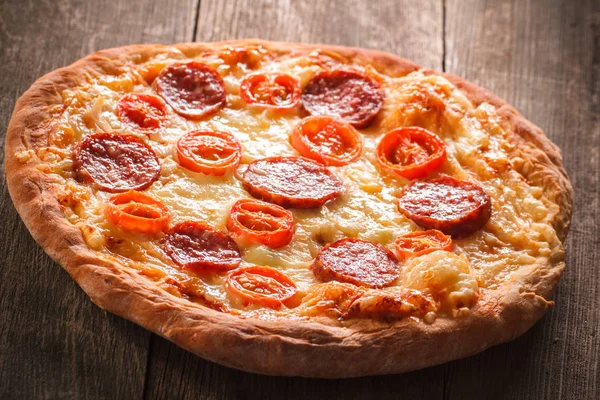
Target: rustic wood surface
[542, 56]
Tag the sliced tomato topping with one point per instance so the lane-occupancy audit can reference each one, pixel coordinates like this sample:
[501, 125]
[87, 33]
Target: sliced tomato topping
[197, 246]
[208, 152]
[417, 244]
[138, 212]
[411, 152]
[276, 91]
[255, 221]
[327, 140]
[144, 112]
[261, 285]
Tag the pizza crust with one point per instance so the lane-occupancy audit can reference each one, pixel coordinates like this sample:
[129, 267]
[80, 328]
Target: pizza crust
[285, 347]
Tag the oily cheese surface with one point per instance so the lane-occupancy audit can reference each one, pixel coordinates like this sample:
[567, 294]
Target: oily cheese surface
[515, 236]
[519, 237]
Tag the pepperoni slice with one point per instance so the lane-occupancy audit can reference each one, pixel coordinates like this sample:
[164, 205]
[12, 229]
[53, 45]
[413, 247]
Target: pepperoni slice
[455, 207]
[261, 285]
[417, 244]
[356, 261]
[254, 221]
[138, 212]
[192, 89]
[199, 247]
[291, 182]
[411, 152]
[115, 163]
[327, 140]
[209, 152]
[347, 95]
[275, 91]
[145, 112]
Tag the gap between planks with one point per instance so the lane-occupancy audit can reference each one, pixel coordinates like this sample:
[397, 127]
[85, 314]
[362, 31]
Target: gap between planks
[145, 393]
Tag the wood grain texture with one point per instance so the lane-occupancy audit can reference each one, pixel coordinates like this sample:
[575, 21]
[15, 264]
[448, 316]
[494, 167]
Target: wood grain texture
[54, 343]
[411, 30]
[544, 58]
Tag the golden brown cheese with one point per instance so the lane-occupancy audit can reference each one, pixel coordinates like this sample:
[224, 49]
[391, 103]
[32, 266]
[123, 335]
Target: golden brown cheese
[517, 234]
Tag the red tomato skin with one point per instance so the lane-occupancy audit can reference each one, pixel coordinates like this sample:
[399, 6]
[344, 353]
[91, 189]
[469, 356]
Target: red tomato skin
[344, 134]
[393, 141]
[187, 158]
[276, 238]
[249, 297]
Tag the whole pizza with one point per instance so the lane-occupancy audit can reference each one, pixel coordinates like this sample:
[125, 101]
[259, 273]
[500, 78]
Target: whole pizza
[292, 209]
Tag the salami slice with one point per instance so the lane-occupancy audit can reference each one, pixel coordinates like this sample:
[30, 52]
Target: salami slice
[115, 163]
[455, 207]
[199, 247]
[347, 95]
[291, 182]
[356, 261]
[192, 89]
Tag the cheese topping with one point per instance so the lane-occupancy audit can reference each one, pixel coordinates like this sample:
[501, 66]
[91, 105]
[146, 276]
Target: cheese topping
[445, 275]
[517, 234]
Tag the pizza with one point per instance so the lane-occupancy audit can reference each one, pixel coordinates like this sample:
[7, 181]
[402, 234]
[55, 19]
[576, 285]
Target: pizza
[292, 209]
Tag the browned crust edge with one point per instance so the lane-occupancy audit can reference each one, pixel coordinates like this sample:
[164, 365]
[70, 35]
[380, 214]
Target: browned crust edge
[304, 348]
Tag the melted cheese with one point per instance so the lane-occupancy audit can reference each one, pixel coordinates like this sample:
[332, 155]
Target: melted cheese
[447, 275]
[517, 233]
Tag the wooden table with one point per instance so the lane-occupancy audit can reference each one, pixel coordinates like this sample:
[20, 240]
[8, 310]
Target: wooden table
[542, 56]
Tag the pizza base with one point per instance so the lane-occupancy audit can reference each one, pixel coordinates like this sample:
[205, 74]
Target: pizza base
[287, 347]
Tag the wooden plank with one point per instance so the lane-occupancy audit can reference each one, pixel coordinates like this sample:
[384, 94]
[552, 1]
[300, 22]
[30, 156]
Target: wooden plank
[402, 27]
[544, 58]
[177, 374]
[413, 31]
[54, 343]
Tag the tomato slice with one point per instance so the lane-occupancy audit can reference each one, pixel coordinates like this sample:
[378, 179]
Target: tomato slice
[208, 152]
[327, 140]
[275, 91]
[411, 152]
[261, 285]
[138, 212]
[145, 112]
[255, 221]
[416, 244]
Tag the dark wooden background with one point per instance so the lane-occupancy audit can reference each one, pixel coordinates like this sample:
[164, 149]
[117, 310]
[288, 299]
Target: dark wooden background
[541, 56]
